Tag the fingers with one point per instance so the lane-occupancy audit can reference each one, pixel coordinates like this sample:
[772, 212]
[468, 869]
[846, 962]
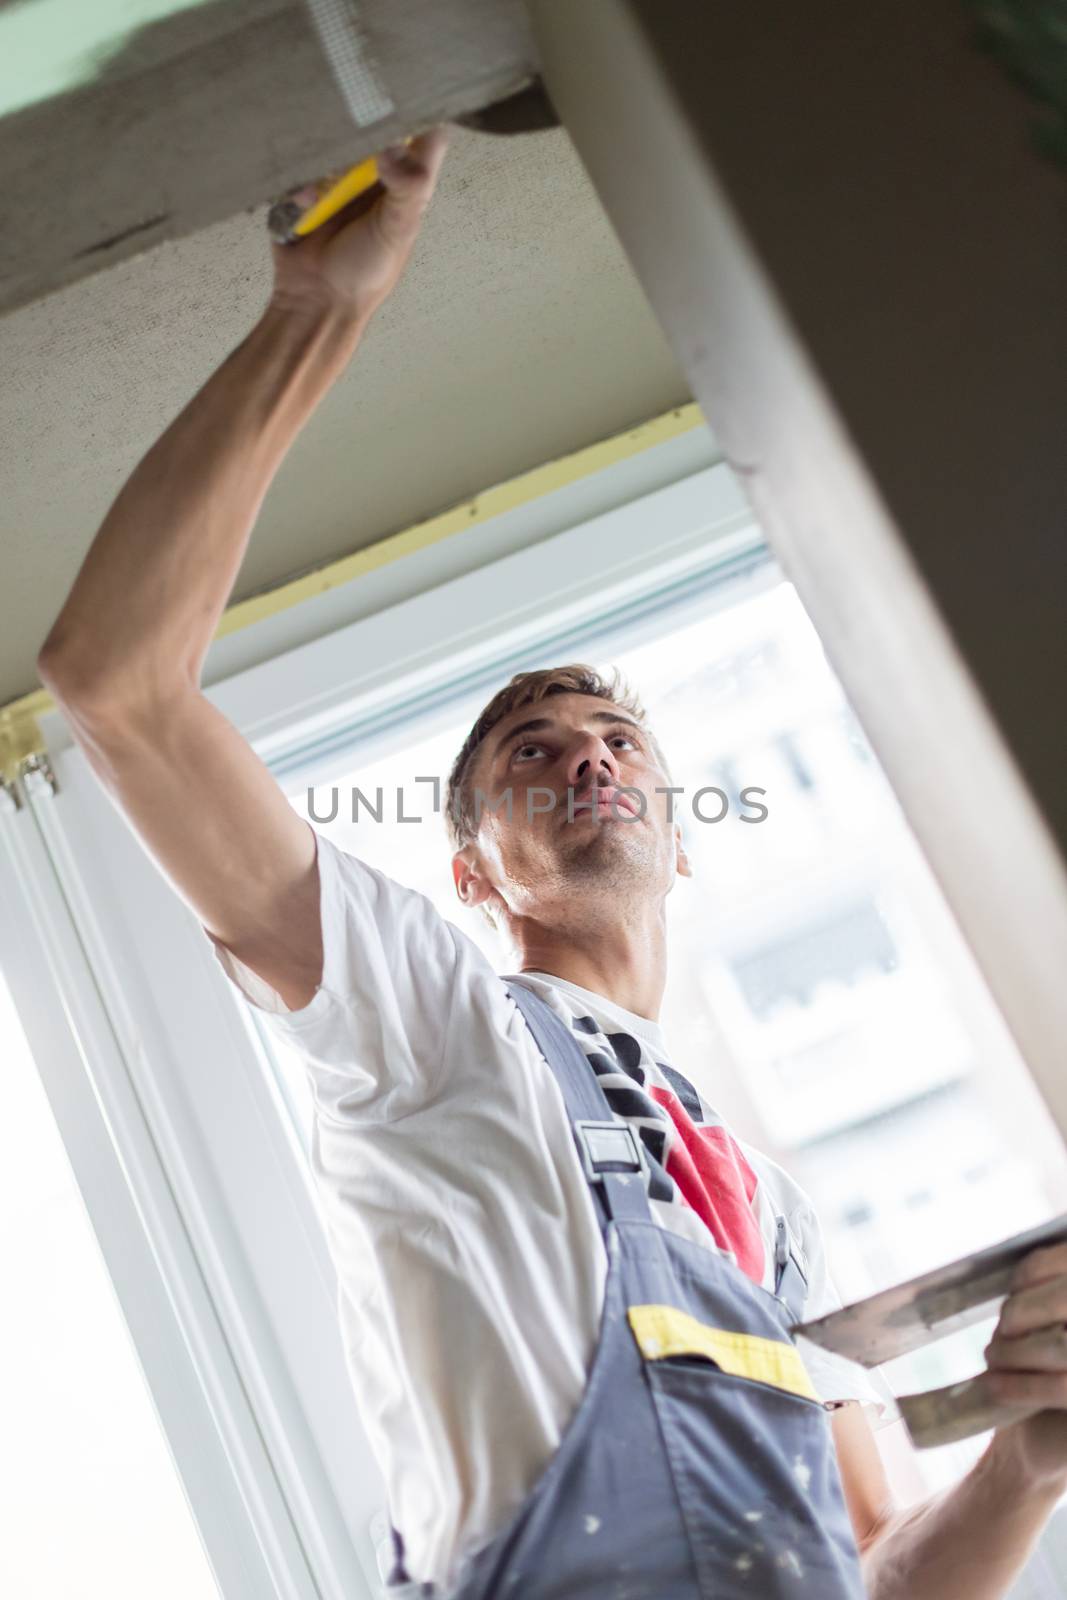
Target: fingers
[355, 208]
[408, 175]
[411, 170]
[1027, 1356]
[1039, 1265]
[1026, 1360]
[1043, 1351]
[1037, 1391]
[1027, 1309]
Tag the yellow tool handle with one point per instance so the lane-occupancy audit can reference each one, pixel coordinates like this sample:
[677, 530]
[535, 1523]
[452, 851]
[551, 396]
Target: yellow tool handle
[287, 222]
[339, 193]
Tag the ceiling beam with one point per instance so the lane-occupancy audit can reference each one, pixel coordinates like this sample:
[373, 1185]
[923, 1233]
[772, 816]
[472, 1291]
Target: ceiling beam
[221, 108]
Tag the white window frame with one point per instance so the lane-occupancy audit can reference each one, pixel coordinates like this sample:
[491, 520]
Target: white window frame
[193, 1179]
[181, 1344]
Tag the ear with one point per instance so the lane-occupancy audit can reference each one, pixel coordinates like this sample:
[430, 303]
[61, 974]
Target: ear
[472, 885]
[682, 863]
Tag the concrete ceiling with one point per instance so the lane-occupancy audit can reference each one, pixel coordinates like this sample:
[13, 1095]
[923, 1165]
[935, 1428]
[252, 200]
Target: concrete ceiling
[519, 334]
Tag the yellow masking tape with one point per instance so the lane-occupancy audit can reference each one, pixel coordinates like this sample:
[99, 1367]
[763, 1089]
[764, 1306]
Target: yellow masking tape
[663, 1331]
[492, 502]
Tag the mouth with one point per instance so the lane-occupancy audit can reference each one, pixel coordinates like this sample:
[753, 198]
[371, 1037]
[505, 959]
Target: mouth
[605, 802]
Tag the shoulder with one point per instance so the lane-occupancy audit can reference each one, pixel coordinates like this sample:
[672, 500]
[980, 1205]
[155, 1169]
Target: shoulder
[346, 880]
[380, 935]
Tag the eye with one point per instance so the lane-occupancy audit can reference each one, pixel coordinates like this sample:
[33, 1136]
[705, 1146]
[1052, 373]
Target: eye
[522, 751]
[618, 739]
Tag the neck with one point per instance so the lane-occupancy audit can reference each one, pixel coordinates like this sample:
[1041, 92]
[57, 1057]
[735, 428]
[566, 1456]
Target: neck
[623, 960]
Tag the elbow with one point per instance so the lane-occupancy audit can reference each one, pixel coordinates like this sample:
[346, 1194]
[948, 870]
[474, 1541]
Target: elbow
[97, 694]
[52, 663]
[56, 668]
[76, 683]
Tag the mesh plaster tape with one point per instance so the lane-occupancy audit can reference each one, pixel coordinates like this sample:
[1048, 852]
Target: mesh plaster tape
[338, 26]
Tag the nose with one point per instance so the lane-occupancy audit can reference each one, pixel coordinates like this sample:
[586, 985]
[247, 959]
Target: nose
[591, 763]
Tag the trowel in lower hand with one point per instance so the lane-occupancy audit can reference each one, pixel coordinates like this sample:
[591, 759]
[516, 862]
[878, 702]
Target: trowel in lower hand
[902, 1319]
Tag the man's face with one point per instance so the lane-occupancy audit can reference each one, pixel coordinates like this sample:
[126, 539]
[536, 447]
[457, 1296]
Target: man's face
[568, 829]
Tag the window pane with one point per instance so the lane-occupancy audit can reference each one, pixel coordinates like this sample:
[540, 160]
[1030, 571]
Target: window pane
[819, 990]
[92, 1503]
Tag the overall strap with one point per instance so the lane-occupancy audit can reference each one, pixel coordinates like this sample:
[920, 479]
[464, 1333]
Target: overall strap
[611, 1153]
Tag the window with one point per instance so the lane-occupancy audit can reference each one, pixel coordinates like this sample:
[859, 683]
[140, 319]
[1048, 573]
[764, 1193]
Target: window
[92, 1503]
[847, 950]
[819, 991]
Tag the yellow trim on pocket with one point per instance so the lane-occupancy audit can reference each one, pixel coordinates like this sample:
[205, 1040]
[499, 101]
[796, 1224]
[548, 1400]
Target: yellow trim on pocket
[663, 1331]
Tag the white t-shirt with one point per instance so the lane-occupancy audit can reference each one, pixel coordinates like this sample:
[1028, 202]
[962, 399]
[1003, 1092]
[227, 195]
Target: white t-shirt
[469, 1256]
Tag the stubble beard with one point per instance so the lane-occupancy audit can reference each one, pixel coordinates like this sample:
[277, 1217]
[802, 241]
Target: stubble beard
[578, 883]
[621, 868]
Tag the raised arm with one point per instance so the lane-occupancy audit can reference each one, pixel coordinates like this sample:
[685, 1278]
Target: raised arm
[125, 654]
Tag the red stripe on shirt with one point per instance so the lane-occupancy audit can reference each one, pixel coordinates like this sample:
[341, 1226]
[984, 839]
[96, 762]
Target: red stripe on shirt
[717, 1181]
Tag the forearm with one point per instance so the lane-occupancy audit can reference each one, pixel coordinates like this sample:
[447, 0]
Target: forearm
[967, 1543]
[145, 605]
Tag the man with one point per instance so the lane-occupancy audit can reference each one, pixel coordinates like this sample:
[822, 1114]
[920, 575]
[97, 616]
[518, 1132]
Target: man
[567, 1290]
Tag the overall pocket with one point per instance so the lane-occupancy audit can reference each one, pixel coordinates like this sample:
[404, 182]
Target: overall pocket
[752, 1457]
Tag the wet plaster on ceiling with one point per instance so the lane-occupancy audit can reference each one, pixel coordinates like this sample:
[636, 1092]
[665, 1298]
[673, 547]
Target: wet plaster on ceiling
[518, 335]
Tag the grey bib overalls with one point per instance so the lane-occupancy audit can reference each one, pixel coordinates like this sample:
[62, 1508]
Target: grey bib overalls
[699, 1464]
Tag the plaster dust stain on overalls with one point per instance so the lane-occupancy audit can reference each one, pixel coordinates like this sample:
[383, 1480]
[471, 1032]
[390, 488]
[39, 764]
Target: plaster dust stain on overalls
[700, 1464]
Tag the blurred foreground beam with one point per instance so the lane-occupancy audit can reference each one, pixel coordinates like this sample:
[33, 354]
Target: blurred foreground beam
[840, 218]
[221, 106]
